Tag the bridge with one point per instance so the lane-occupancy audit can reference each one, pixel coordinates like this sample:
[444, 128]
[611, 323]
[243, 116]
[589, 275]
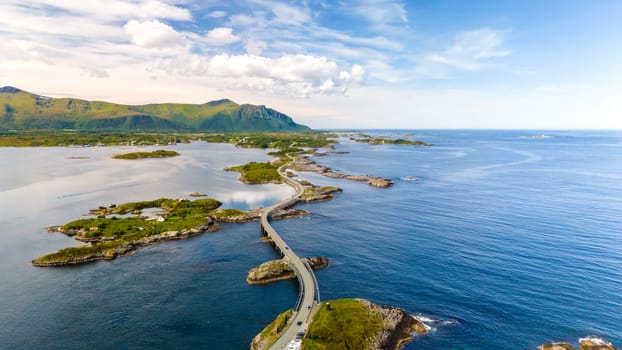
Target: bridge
[309, 293]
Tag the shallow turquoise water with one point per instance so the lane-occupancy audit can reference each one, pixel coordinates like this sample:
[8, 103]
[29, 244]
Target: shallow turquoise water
[504, 242]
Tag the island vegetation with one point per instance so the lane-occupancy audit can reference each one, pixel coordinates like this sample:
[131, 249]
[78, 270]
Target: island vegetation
[277, 270]
[383, 140]
[272, 332]
[154, 154]
[197, 194]
[21, 110]
[110, 235]
[282, 142]
[258, 173]
[348, 324]
[73, 138]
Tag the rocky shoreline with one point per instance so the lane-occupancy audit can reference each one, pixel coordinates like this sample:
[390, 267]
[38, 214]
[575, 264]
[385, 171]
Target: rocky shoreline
[397, 327]
[303, 163]
[123, 249]
[277, 270]
[394, 326]
[98, 249]
[587, 343]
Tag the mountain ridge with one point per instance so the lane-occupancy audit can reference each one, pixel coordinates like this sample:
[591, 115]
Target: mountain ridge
[22, 110]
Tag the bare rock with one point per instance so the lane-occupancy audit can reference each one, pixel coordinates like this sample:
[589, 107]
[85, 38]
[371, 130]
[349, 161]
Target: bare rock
[397, 327]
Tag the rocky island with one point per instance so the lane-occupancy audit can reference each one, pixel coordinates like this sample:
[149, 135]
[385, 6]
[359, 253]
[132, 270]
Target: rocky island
[383, 140]
[303, 163]
[277, 270]
[119, 230]
[348, 324]
[587, 343]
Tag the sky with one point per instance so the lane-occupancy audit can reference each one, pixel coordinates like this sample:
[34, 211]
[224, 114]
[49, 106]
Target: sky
[418, 64]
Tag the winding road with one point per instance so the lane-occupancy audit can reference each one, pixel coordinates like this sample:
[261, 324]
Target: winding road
[309, 292]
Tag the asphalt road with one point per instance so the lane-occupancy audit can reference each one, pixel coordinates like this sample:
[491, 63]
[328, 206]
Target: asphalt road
[305, 275]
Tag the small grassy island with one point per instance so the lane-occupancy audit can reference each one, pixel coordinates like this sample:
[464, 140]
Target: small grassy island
[258, 173]
[348, 324]
[109, 235]
[139, 155]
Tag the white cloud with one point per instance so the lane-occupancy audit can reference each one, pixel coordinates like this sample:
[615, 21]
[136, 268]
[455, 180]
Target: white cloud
[381, 12]
[217, 14]
[291, 75]
[95, 72]
[455, 61]
[255, 47]
[153, 34]
[470, 50]
[158, 9]
[479, 44]
[221, 36]
[109, 11]
[289, 14]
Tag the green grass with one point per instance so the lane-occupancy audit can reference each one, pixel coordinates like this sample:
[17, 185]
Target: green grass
[258, 173]
[220, 213]
[314, 191]
[119, 231]
[26, 111]
[348, 325]
[381, 140]
[155, 154]
[272, 331]
[73, 138]
[285, 143]
[282, 141]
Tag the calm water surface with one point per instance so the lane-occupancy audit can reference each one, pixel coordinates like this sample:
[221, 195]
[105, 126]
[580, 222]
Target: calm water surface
[504, 242]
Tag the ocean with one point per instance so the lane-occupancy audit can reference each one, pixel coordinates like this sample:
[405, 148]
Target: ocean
[503, 241]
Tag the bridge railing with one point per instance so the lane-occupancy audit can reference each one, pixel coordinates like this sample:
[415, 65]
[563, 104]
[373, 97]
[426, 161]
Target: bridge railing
[301, 289]
[316, 285]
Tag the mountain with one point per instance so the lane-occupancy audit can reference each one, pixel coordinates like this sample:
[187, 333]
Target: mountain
[22, 110]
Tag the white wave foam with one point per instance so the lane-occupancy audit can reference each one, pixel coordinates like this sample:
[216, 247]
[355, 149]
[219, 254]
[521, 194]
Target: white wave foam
[595, 340]
[432, 324]
[424, 319]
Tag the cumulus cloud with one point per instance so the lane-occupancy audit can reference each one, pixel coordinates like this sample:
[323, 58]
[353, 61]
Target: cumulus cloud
[292, 75]
[221, 36]
[158, 9]
[153, 34]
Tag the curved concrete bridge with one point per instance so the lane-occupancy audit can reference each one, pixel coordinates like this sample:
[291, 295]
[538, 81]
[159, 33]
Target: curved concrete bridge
[309, 291]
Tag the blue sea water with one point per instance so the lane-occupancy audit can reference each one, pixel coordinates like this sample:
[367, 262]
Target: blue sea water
[503, 242]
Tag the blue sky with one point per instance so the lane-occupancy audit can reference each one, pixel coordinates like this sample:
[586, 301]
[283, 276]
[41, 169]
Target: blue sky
[546, 64]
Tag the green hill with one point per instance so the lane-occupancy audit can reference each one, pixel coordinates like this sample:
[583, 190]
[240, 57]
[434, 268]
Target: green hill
[22, 110]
